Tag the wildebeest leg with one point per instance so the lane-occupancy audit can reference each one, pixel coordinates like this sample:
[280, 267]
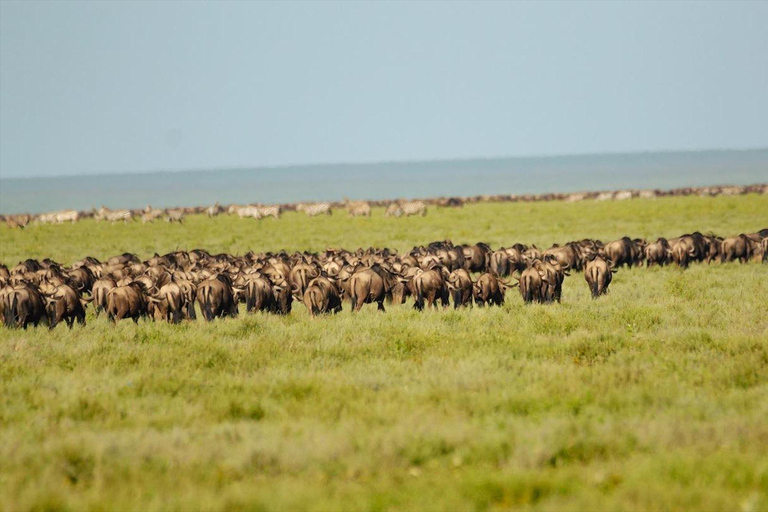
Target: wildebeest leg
[136, 320]
[381, 306]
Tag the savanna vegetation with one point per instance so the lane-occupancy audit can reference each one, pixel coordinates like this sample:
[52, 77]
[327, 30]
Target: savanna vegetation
[653, 397]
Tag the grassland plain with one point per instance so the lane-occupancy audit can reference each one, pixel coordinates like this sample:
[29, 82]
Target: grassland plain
[654, 397]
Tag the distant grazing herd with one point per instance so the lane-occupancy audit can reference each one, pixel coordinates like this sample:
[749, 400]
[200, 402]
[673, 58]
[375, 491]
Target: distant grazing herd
[400, 208]
[166, 288]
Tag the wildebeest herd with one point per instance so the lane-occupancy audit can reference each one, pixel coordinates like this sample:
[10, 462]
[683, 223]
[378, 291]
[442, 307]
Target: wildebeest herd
[167, 287]
[396, 208]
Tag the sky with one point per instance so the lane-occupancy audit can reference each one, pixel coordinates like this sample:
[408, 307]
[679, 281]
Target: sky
[107, 87]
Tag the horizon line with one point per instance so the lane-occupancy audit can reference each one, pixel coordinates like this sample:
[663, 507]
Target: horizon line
[385, 162]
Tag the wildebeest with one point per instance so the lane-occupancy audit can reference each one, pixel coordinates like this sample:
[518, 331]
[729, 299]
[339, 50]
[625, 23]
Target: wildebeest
[688, 248]
[126, 301]
[737, 248]
[100, 293]
[322, 296]
[460, 286]
[553, 274]
[476, 256]
[568, 256]
[63, 304]
[24, 305]
[620, 252]
[657, 253]
[530, 282]
[598, 274]
[168, 302]
[428, 286]
[488, 289]
[299, 277]
[370, 285]
[216, 297]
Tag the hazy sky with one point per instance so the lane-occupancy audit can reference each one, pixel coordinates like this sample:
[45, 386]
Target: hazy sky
[101, 87]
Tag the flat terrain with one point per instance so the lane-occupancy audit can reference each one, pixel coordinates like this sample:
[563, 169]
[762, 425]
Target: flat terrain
[654, 397]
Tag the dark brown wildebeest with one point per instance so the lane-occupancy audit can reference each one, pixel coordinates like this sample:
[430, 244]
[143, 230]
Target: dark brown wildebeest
[657, 253]
[515, 254]
[568, 256]
[283, 296]
[553, 274]
[401, 291]
[25, 267]
[476, 256]
[25, 305]
[498, 263]
[322, 296]
[168, 302]
[531, 282]
[429, 285]
[488, 289]
[459, 284]
[63, 303]
[259, 293]
[620, 252]
[737, 248]
[712, 247]
[216, 297]
[688, 248]
[100, 291]
[81, 279]
[598, 274]
[126, 301]
[6, 292]
[370, 285]
[299, 277]
[188, 292]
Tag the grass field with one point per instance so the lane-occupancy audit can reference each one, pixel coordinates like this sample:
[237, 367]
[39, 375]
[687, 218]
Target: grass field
[654, 397]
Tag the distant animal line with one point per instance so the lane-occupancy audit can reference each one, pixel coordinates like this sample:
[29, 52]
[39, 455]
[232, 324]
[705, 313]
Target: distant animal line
[397, 208]
[166, 288]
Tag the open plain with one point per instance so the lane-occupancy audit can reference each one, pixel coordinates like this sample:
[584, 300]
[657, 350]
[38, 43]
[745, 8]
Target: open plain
[653, 397]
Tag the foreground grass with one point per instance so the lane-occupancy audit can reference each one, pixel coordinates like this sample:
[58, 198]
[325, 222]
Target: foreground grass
[654, 397]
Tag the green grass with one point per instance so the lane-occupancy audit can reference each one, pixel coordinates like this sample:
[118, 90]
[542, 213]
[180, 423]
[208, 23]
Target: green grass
[654, 397]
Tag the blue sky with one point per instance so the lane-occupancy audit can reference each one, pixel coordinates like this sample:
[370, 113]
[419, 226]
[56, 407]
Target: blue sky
[103, 87]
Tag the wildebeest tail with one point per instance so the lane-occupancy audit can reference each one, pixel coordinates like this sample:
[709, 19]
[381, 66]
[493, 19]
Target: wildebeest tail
[11, 314]
[314, 300]
[526, 290]
[250, 299]
[419, 291]
[110, 307]
[456, 298]
[205, 303]
[176, 310]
